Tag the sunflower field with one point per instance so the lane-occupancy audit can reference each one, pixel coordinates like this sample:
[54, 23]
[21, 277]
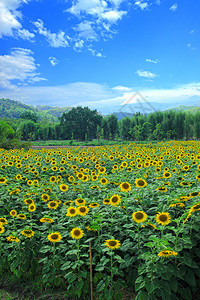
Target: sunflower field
[102, 221]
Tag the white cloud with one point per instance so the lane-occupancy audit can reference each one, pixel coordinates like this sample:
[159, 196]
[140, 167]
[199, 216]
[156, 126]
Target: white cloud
[113, 16]
[95, 52]
[18, 65]
[10, 19]
[53, 61]
[25, 34]
[100, 96]
[146, 74]
[141, 4]
[121, 88]
[154, 61]
[158, 2]
[85, 30]
[174, 7]
[55, 40]
[97, 17]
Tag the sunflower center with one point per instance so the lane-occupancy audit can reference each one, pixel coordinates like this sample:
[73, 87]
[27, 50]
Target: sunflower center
[72, 211]
[114, 199]
[125, 186]
[163, 218]
[77, 232]
[82, 209]
[112, 243]
[52, 204]
[140, 182]
[139, 215]
[27, 231]
[54, 236]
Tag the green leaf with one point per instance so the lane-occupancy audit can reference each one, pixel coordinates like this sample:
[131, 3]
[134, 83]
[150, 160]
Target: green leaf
[57, 281]
[100, 286]
[190, 278]
[45, 249]
[165, 285]
[66, 265]
[173, 283]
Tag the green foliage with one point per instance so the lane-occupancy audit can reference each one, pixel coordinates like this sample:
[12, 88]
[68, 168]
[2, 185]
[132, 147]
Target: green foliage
[81, 122]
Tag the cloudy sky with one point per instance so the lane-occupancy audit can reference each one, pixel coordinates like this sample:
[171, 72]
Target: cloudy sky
[99, 52]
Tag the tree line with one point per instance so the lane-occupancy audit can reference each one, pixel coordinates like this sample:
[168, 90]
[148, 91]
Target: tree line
[84, 124]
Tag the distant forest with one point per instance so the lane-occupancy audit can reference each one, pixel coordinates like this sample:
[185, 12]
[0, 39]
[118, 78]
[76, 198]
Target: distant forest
[31, 123]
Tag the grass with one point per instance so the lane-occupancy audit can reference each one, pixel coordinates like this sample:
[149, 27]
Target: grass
[86, 143]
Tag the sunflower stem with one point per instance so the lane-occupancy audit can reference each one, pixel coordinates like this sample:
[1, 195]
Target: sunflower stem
[111, 269]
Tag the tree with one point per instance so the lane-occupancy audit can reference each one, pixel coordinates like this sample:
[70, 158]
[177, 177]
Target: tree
[112, 125]
[81, 122]
[28, 115]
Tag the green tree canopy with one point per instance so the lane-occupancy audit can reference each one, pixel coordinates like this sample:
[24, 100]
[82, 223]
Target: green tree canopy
[80, 122]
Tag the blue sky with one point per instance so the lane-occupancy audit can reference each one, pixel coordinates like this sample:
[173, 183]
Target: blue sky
[98, 52]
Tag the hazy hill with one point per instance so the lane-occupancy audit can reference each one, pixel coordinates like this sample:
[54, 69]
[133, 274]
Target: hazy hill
[13, 109]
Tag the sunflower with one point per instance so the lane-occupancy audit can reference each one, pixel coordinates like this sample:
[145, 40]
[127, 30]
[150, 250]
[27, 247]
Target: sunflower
[198, 177]
[28, 232]
[103, 181]
[54, 237]
[30, 182]
[13, 213]
[94, 204]
[21, 216]
[63, 187]
[46, 220]
[163, 218]
[3, 221]
[53, 179]
[139, 216]
[2, 229]
[106, 201]
[77, 233]
[167, 174]
[68, 203]
[83, 210]
[194, 194]
[125, 187]
[140, 183]
[32, 207]
[112, 244]
[29, 201]
[12, 238]
[45, 197]
[3, 180]
[53, 204]
[71, 211]
[195, 207]
[80, 201]
[115, 200]
[167, 253]
[161, 189]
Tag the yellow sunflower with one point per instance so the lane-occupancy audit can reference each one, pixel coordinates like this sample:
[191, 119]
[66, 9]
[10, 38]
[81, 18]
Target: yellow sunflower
[21, 216]
[63, 187]
[53, 204]
[77, 233]
[12, 238]
[71, 211]
[32, 207]
[28, 232]
[140, 183]
[2, 229]
[167, 253]
[45, 197]
[80, 201]
[125, 187]
[163, 218]
[103, 181]
[54, 237]
[94, 204]
[112, 244]
[139, 216]
[46, 220]
[115, 200]
[83, 210]
[13, 213]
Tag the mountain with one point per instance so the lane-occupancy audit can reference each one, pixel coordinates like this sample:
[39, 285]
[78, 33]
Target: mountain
[12, 109]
